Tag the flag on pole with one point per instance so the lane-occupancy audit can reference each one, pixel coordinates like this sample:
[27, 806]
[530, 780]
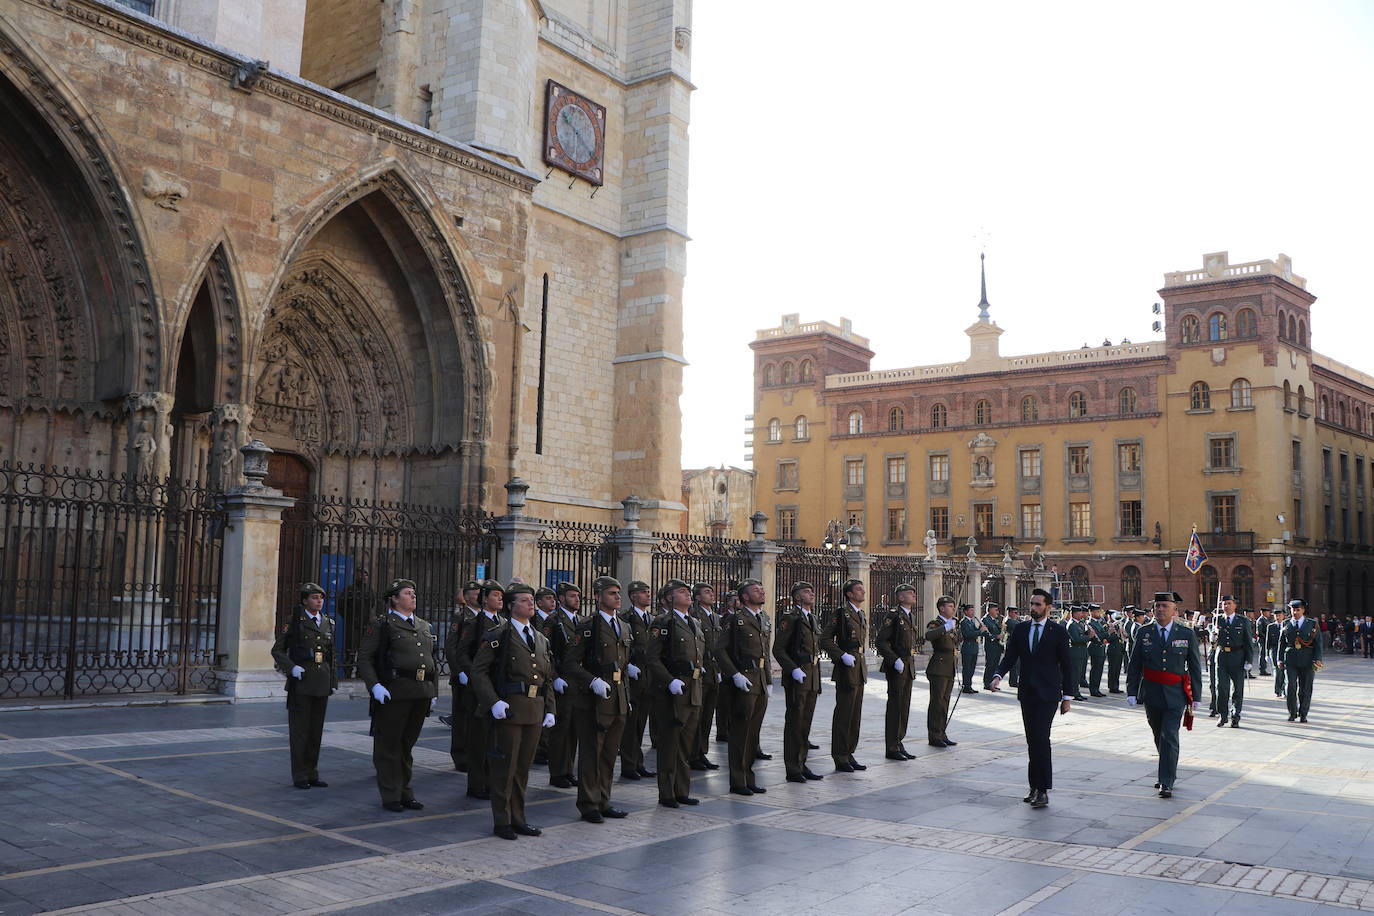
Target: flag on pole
[1196, 555]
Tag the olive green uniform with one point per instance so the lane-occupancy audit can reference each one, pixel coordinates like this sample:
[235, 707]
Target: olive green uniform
[398, 654]
[969, 631]
[636, 624]
[1116, 652]
[1097, 654]
[561, 740]
[712, 698]
[302, 642]
[896, 641]
[847, 632]
[676, 651]
[940, 671]
[1300, 647]
[742, 648]
[1079, 636]
[506, 668]
[463, 701]
[599, 649]
[992, 648]
[796, 645]
[1233, 647]
[477, 720]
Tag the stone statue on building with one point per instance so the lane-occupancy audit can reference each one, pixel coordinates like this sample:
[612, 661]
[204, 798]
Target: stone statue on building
[931, 544]
[1009, 554]
[972, 548]
[1037, 559]
[144, 447]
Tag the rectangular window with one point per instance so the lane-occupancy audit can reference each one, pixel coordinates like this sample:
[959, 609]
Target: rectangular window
[1222, 452]
[896, 470]
[939, 521]
[1345, 472]
[939, 467]
[1329, 522]
[854, 518]
[1359, 527]
[787, 475]
[1080, 520]
[1223, 512]
[854, 472]
[982, 520]
[1345, 524]
[1359, 473]
[787, 524]
[1297, 517]
[1030, 462]
[1128, 457]
[1031, 523]
[896, 524]
[1078, 459]
[1297, 457]
[1326, 465]
[1132, 525]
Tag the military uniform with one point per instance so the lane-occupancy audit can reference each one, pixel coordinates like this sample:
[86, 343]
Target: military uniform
[1009, 627]
[796, 646]
[1263, 643]
[711, 696]
[1301, 652]
[676, 653]
[846, 633]
[561, 740]
[896, 645]
[992, 648]
[1158, 670]
[1232, 654]
[969, 632]
[637, 624]
[463, 698]
[309, 645]
[600, 650]
[1116, 653]
[508, 669]
[1079, 636]
[398, 653]
[940, 671]
[1276, 656]
[1097, 654]
[742, 654]
[475, 719]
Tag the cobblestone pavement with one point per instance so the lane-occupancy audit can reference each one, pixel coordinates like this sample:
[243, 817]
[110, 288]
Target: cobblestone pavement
[189, 809]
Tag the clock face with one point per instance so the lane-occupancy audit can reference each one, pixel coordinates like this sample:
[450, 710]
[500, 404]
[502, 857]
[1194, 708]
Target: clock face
[574, 133]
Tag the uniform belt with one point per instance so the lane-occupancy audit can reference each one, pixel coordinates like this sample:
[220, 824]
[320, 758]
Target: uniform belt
[410, 674]
[1223, 648]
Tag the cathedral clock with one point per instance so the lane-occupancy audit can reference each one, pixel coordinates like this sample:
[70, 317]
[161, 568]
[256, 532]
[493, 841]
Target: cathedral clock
[575, 133]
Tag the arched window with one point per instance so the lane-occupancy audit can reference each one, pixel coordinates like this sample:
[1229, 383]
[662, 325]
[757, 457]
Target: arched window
[1130, 586]
[1283, 325]
[799, 428]
[1125, 401]
[1243, 586]
[1302, 399]
[808, 372]
[1189, 331]
[1340, 412]
[789, 373]
[1216, 326]
[1302, 333]
[1246, 323]
[896, 420]
[1323, 407]
[1292, 328]
[1078, 404]
[938, 416]
[1030, 409]
[1240, 393]
[775, 430]
[1287, 395]
[1359, 420]
[1207, 583]
[982, 413]
[768, 377]
[1200, 397]
[856, 422]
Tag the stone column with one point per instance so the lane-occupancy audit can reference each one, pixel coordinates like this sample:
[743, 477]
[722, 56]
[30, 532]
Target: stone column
[519, 534]
[635, 558]
[973, 586]
[398, 90]
[248, 589]
[932, 586]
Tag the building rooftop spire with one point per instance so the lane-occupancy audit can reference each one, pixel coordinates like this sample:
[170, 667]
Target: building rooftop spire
[983, 303]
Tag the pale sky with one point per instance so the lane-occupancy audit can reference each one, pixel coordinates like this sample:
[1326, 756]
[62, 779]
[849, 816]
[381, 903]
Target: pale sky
[854, 166]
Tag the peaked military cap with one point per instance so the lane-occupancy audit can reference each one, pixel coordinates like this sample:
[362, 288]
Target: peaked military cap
[489, 586]
[566, 586]
[543, 592]
[748, 582]
[604, 582]
[1228, 597]
[943, 599]
[902, 587]
[698, 588]
[1297, 602]
[639, 585]
[520, 588]
[799, 585]
[1175, 597]
[667, 587]
[396, 585]
[471, 584]
[310, 588]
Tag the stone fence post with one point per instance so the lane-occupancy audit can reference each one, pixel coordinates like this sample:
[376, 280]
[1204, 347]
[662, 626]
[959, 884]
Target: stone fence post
[932, 586]
[763, 557]
[519, 534]
[248, 587]
[635, 549]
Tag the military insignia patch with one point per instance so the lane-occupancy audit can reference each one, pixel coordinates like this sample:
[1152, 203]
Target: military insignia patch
[495, 643]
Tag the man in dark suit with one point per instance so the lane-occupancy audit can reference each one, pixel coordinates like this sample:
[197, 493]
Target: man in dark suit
[1166, 675]
[1042, 648]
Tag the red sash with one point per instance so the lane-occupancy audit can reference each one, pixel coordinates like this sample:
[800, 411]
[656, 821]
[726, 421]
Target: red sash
[1167, 677]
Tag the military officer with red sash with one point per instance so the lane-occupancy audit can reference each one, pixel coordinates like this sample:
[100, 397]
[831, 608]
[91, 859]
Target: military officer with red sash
[1165, 676]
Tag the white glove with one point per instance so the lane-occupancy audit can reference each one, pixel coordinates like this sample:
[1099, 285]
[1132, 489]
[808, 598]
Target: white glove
[897, 666]
[499, 709]
[380, 693]
[601, 688]
[462, 678]
[847, 659]
[1130, 701]
[798, 675]
[1247, 666]
[433, 701]
[297, 672]
[548, 720]
[634, 672]
[675, 687]
[559, 685]
[717, 677]
[740, 680]
[1196, 707]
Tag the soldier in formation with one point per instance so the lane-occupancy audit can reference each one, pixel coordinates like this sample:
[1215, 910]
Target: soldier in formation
[561, 741]
[844, 639]
[304, 652]
[1165, 676]
[1080, 635]
[703, 609]
[742, 657]
[490, 601]
[1233, 650]
[970, 631]
[896, 645]
[994, 638]
[637, 618]
[1097, 649]
[597, 666]
[677, 664]
[1116, 652]
[463, 702]
[796, 646]
[942, 635]
[1300, 653]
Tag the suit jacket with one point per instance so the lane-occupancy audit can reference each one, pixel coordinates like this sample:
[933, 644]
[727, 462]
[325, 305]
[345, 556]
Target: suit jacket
[1046, 673]
[596, 652]
[1180, 656]
[847, 632]
[301, 643]
[896, 639]
[711, 629]
[638, 629]
[743, 649]
[796, 644]
[943, 644]
[676, 651]
[512, 674]
[1300, 647]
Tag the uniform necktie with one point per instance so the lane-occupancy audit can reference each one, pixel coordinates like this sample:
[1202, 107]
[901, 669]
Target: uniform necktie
[315, 619]
[615, 624]
[1035, 636]
[529, 638]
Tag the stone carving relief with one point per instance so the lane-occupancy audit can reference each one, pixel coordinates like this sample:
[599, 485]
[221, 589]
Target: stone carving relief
[164, 191]
[150, 433]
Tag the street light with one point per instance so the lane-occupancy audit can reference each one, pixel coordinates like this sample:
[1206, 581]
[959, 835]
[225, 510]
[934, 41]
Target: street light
[835, 536]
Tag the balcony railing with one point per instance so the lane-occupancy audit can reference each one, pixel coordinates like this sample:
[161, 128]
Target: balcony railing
[1227, 541]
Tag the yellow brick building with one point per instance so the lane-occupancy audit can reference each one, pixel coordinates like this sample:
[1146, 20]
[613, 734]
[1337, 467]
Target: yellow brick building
[1103, 457]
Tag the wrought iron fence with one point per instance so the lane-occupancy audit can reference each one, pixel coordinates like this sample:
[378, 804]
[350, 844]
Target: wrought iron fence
[1025, 583]
[693, 558]
[355, 548]
[884, 575]
[110, 585]
[826, 570]
[576, 552]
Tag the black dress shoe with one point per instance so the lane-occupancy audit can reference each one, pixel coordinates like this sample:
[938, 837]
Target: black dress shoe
[741, 790]
[1293, 718]
[505, 832]
[721, 739]
[668, 802]
[414, 805]
[1079, 696]
[814, 747]
[706, 762]
[1235, 722]
[949, 743]
[697, 765]
[630, 774]
[843, 768]
[319, 784]
[936, 742]
[796, 777]
[1211, 714]
[1096, 693]
[446, 720]
[1166, 792]
[757, 789]
[393, 806]
[1303, 719]
[969, 690]
[895, 755]
[806, 771]
[1221, 723]
[303, 784]
[908, 755]
[614, 813]
[593, 817]
[526, 830]
[481, 794]
[1041, 800]
[1116, 691]
[1029, 798]
[688, 800]
[760, 755]
[573, 780]
[856, 765]
[560, 782]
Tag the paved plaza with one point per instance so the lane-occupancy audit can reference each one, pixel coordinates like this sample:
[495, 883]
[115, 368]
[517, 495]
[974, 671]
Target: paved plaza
[189, 809]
